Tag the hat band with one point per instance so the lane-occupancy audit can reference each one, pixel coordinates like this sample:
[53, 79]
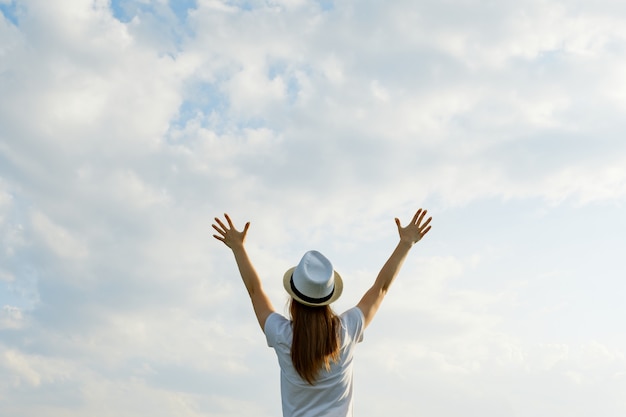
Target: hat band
[306, 297]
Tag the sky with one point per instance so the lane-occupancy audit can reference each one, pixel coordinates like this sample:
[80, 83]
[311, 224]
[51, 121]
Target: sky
[127, 126]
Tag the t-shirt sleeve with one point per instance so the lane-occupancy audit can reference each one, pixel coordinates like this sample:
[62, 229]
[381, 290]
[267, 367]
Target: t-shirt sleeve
[273, 328]
[354, 321]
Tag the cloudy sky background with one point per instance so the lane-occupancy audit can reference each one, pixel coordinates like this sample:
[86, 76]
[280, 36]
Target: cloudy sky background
[126, 126]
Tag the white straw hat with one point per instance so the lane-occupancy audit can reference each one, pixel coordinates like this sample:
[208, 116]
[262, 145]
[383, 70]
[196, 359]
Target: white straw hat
[313, 281]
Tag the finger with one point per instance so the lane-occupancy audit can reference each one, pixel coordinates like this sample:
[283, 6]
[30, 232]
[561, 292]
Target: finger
[416, 216]
[221, 224]
[426, 223]
[245, 228]
[421, 217]
[219, 238]
[230, 222]
[426, 230]
[397, 220]
[220, 231]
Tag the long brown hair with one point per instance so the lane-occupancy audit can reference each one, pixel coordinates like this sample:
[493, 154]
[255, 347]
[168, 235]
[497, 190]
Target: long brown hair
[315, 341]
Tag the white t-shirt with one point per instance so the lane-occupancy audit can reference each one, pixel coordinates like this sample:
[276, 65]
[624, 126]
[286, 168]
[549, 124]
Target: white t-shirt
[331, 394]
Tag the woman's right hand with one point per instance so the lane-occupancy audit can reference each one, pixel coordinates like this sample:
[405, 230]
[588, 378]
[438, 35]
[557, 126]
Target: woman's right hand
[415, 230]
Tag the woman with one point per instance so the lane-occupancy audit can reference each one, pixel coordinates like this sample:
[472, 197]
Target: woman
[315, 349]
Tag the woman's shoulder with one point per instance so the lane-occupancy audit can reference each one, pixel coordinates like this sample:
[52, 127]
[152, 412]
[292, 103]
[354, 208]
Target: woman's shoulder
[353, 321]
[276, 320]
[353, 314]
[277, 329]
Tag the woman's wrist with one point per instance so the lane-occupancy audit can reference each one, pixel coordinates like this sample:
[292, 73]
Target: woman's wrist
[406, 243]
[238, 247]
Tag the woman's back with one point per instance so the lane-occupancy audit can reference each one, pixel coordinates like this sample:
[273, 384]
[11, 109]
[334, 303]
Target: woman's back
[331, 394]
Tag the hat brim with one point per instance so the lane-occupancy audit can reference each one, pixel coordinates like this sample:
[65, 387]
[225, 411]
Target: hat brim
[336, 294]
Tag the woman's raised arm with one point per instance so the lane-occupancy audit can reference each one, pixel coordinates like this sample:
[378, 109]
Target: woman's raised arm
[235, 239]
[409, 235]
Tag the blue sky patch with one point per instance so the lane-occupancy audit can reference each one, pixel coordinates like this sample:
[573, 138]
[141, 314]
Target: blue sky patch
[125, 10]
[120, 10]
[10, 12]
[181, 8]
[326, 5]
[201, 98]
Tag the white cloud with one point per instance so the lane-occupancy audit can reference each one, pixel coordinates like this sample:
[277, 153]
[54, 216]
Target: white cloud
[6, 276]
[33, 370]
[10, 317]
[57, 238]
